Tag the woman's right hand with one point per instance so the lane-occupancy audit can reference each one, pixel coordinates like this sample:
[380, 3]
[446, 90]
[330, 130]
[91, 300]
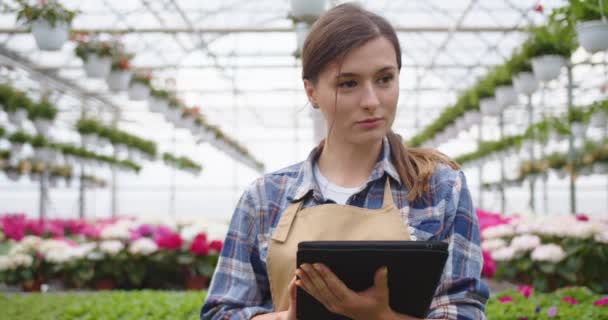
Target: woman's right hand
[290, 314]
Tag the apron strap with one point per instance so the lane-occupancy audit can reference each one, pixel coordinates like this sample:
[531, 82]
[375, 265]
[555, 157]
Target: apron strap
[285, 221]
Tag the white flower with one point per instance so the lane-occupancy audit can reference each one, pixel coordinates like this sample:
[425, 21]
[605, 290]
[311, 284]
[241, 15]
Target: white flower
[548, 252]
[95, 256]
[31, 242]
[493, 244]
[111, 247]
[118, 230]
[602, 236]
[53, 245]
[503, 254]
[499, 231]
[17, 249]
[5, 263]
[188, 233]
[58, 256]
[143, 246]
[581, 230]
[525, 242]
[82, 250]
[21, 260]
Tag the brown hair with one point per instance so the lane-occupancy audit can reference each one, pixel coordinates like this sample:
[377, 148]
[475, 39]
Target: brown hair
[332, 36]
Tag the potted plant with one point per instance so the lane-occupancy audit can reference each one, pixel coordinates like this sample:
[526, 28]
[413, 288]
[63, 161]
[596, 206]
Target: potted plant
[590, 23]
[120, 76]
[524, 81]
[307, 10]
[505, 94]
[17, 107]
[199, 261]
[49, 20]
[42, 115]
[158, 101]
[548, 47]
[140, 87]
[95, 54]
[88, 130]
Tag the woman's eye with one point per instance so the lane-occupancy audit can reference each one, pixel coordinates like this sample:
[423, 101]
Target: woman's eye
[386, 79]
[347, 84]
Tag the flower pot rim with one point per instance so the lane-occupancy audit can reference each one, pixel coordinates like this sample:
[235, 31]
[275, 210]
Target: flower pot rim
[591, 23]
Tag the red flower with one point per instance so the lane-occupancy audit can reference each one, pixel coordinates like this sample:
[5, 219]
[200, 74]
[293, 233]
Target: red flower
[525, 290]
[170, 241]
[199, 246]
[216, 245]
[489, 267]
[538, 8]
[601, 302]
[582, 217]
[569, 300]
[505, 299]
[123, 64]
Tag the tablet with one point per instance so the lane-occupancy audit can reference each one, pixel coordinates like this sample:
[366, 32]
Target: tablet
[414, 271]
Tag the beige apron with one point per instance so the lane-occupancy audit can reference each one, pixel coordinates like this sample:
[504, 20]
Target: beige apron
[325, 222]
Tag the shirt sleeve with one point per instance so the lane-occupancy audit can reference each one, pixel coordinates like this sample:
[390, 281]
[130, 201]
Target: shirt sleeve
[239, 288]
[461, 294]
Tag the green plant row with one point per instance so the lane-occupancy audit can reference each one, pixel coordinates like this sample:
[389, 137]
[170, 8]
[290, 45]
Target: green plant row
[12, 100]
[116, 136]
[50, 11]
[557, 37]
[38, 141]
[182, 163]
[123, 305]
[539, 131]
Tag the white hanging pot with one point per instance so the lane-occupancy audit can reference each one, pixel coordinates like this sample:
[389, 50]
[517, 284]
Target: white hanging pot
[599, 120]
[138, 92]
[488, 107]
[48, 37]
[16, 149]
[302, 30]
[43, 126]
[578, 129]
[593, 35]
[525, 83]
[97, 67]
[13, 175]
[505, 96]
[154, 104]
[118, 80]
[18, 117]
[53, 182]
[547, 67]
[307, 8]
[600, 168]
[89, 140]
[585, 171]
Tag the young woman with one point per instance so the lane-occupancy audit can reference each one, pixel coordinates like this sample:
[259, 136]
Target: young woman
[360, 183]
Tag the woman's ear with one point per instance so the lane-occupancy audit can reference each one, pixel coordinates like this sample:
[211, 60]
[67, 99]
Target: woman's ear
[310, 92]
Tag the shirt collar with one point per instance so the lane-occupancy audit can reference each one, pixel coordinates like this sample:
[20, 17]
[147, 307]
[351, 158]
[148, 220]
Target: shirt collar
[306, 182]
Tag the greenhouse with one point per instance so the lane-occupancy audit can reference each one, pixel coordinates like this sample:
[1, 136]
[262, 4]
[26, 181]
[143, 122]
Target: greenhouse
[155, 156]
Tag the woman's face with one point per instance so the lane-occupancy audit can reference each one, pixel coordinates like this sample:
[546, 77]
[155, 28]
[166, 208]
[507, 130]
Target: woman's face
[367, 91]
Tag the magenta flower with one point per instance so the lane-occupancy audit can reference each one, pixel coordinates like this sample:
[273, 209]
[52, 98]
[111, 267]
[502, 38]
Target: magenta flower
[525, 291]
[552, 312]
[505, 299]
[569, 300]
[601, 302]
[489, 267]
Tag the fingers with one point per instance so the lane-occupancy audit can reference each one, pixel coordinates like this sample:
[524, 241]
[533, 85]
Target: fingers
[315, 285]
[381, 278]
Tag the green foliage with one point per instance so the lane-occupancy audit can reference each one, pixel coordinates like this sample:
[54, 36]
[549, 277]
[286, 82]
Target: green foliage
[181, 163]
[555, 38]
[579, 10]
[536, 307]
[51, 11]
[42, 110]
[123, 305]
[86, 48]
[19, 137]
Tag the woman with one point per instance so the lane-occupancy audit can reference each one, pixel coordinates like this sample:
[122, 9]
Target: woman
[351, 62]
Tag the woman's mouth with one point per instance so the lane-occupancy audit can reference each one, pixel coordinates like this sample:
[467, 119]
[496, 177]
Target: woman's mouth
[370, 123]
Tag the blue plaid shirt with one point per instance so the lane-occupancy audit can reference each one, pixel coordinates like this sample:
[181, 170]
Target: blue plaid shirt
[240, 289]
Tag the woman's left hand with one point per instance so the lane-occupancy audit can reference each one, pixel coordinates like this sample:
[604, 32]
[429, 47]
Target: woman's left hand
[371, 304]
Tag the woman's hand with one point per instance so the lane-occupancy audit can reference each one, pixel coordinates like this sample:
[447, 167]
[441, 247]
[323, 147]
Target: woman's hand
[371, 304]
[290, 314]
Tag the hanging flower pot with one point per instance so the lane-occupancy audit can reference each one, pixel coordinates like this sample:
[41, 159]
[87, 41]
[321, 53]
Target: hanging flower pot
[547, 67]
[593, 35]
[307, 9]
[138, 92]
[50, 37]
[53, 182]
[578, 129]
[12, 175]
[17, 117]
[118, 80]
[97, 67]
[489, 107]
[505, 96]
[302, 29]
[600, 168]
[599, 120]
[525, 83]
[43, 126]
[49, 22]
[89, 140]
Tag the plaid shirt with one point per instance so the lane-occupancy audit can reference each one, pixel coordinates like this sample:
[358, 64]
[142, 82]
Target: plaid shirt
[240, 289]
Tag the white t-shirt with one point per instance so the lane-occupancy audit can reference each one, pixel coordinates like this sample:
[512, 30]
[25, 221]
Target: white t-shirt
[332, 191]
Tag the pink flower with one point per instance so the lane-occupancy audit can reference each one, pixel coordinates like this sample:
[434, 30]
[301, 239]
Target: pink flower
[199, 246]
[569, 300]
[169, 241]
[489, 267]
[216, 245]
[525, 290]
[582, 217]
[601, 302]
[505, 299]
[91, 232]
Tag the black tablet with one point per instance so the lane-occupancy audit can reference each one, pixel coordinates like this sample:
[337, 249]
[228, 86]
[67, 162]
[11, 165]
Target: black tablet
[414, 271]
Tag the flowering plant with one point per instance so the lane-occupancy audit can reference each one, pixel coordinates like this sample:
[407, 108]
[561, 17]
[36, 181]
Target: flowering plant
[52, 11]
